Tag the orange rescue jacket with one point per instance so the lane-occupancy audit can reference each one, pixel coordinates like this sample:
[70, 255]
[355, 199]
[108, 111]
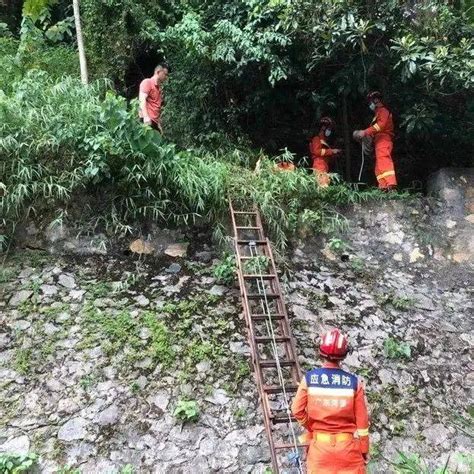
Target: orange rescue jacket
[331, 400]
[381, 124]
[320, 149]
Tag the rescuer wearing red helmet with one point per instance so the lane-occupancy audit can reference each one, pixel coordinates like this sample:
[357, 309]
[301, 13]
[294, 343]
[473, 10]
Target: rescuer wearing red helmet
[330, 404]
[381, 129]
[321, 152]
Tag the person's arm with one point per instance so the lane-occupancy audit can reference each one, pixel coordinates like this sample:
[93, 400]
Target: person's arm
[317, 151]
[142, 96]
[299, 407]
[382, 115]
[362, 419]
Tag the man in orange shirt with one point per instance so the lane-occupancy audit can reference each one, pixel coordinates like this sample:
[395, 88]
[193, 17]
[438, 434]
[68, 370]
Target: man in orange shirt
[330, 404]
[321, 152]
[381, 130]
[151, 97]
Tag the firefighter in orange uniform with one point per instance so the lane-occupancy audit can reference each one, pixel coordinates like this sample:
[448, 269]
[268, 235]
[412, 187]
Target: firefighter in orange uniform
[381, 130]
[321, 152]
[330, 404]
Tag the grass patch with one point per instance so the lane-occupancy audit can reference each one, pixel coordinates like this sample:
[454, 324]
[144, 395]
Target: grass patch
[412, 463]
[7, 274]
[22, 362]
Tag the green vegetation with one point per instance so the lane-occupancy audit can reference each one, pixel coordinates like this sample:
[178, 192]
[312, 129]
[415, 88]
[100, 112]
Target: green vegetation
[6, 274]
[119, 331]
[394, 349]
[120, 335]
[186, 410]
[233, 64]
[22, 360]
[401, 303]
[68, 470]
[261, 72]
[413, 464]
[256, 265]
[224, 271]
[16, 463]
[337, 245]
[88, 381]
[240, 414]
[131, 170]
[127, 469]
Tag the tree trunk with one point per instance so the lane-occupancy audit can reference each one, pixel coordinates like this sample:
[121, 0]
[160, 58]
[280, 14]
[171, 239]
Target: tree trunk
[347, 139]
[80, 42]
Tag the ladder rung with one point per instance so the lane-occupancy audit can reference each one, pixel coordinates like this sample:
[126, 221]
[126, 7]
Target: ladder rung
[246, 257]
[278, 388]
[283, 418]
[270, 339]
[239, 227]
[279, 447]
[256, 242]
[272, 363]
[270, 296]
[264, 317]
[245, 212]
[255, 276]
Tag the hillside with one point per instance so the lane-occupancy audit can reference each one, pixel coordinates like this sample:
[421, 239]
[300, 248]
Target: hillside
[98, 350]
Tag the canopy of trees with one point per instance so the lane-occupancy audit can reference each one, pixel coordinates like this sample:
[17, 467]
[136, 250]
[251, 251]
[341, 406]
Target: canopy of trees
[245, 75]
[264, 71]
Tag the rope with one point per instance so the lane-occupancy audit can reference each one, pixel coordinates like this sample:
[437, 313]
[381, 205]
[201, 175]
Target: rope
[269, 325]
[362, 164]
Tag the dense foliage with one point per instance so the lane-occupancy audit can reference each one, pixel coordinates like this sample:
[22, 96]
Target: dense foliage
[86, 140]
[246, 75]
[263, 71]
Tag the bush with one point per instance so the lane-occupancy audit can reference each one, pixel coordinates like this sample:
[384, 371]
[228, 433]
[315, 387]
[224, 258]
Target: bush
[187, 410]
[16, 463]
[224, 271]
[396, 350]
[73, 140]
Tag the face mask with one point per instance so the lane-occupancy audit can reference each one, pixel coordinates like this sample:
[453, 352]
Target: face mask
[327, 132]
[372, 106]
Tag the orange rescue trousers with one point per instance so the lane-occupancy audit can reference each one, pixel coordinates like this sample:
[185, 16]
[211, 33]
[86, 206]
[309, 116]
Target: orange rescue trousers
[384, 169]
[335, 454]
[321, 169]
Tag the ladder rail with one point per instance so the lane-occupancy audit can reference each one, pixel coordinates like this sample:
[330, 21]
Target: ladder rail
[276, 321]
[258, 376]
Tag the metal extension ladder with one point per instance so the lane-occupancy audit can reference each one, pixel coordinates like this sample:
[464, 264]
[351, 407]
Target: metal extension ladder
[276, 368]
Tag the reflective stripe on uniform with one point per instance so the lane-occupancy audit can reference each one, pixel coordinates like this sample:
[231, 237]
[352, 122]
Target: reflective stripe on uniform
[384, 175]
[334, 392]
[377, 127]
[323, 151]
[329, 437]
[363, 432]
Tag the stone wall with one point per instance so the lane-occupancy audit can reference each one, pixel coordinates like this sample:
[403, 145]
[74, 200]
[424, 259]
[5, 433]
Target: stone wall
[86, 380]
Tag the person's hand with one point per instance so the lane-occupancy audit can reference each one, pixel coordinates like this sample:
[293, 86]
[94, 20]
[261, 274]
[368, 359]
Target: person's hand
[366, 457]
[146, 121]
[358, 135]
[337, 151]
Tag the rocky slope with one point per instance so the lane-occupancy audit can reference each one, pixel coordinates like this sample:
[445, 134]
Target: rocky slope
[97, 351]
